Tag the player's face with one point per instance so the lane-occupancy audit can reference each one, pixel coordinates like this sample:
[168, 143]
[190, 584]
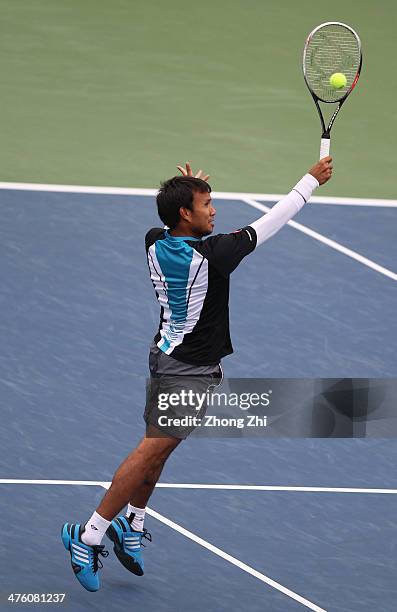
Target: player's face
[203, 214]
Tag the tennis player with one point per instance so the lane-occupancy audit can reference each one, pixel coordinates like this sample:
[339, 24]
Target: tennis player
[190, 276]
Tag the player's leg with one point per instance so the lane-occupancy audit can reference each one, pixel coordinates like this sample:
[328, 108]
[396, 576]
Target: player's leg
[136, 508]
[141, 496]
[138, 470]
[126, 532]
[84, 542]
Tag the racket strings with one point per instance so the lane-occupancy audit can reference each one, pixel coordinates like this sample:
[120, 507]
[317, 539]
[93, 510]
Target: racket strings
[332, 48]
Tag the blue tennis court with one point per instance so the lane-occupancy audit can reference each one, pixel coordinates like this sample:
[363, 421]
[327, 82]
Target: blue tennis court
[77, 316]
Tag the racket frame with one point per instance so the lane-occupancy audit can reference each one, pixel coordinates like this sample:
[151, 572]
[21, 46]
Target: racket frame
[325, 137]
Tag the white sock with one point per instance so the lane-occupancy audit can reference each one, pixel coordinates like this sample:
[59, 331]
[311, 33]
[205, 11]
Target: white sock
[95, 529]
[137, 523]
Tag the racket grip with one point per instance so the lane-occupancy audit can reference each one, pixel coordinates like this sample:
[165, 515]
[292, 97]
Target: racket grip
[324, 148]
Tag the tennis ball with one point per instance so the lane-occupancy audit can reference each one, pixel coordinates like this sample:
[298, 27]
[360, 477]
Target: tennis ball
[337, 80]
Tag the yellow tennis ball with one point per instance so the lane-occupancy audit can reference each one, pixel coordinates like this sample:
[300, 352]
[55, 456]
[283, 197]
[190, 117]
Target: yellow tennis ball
[338, 80]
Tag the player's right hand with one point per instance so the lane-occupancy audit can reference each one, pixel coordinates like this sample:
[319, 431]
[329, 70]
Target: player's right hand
[322, 171]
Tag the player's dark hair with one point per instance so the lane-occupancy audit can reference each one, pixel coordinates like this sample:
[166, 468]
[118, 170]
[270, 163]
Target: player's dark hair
[176, 192]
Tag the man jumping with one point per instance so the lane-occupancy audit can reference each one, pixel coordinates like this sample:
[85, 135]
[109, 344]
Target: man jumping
[191, 280]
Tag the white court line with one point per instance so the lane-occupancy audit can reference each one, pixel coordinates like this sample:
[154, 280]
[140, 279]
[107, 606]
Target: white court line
[233, 487]
[225, 487]
[243, 566]
[331, 243]
[224, 555]
[78, 189]
[220, 195]
[188, 534]
[93, 483]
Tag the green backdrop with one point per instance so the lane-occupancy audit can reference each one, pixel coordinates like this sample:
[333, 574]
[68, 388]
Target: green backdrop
[117, 92]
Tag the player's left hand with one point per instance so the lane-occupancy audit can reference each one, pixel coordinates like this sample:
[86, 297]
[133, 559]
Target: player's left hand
[189, 172]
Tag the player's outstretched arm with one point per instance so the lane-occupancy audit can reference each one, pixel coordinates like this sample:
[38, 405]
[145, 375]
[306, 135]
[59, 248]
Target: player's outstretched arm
[285, 209]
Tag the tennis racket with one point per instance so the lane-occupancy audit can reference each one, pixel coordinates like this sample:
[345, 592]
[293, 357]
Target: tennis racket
[330, 48]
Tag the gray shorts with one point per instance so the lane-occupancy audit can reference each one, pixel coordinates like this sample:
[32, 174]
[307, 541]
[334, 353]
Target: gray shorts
[176, 394]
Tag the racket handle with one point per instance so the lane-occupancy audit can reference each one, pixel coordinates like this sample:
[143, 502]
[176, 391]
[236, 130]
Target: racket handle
[324, 148]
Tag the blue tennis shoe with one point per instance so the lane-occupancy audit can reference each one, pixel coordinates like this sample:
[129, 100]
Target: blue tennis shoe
[84, 559]
[127, 543]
